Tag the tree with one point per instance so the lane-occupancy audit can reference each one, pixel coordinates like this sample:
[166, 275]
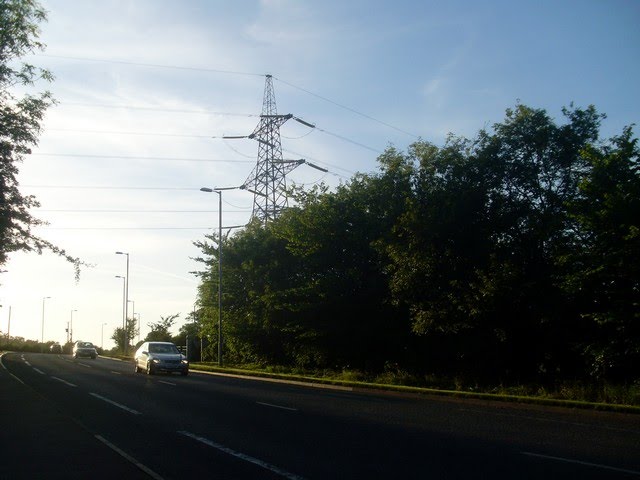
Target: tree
[309, 289]
[189, 331]
[603, 270]
[160, 330]
[476, 253]
[511, 257]
[20, 126]
[118, 335]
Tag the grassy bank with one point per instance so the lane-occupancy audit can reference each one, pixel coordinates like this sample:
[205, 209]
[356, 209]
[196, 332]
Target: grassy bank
[622, 398]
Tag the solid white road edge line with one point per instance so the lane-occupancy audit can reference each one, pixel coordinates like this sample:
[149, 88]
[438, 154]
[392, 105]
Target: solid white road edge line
[277, 406]
[129, 458]
[242, 456]
[39, 371]
[116, 404]
[579, 462]
[64, 381]
[168, 383]
[2, 363]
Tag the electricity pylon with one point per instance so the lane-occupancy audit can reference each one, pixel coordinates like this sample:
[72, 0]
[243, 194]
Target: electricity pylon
[267, 181]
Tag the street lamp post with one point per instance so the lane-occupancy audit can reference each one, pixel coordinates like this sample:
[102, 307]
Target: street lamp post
[102, 335]
[133, 314]
[71, 326]
[9, 324]
[42, 335]
[138, 327]
[219, 192]
[124, 312]
[126, 301]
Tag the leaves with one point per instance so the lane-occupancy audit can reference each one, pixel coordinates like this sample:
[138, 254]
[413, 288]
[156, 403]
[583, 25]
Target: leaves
[510, 256]
[20, 120]
[159, 331]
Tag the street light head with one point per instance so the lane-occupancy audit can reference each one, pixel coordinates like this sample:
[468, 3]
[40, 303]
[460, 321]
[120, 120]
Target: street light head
[206, 189]
[119, 276]
[122, 253]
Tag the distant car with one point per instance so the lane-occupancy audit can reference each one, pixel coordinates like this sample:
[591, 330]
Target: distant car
[55, 348]
[84, 349]
[154, 357]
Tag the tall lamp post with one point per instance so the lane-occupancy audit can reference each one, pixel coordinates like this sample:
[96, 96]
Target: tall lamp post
[102, 335]
[139, 320]
[124, 313]
[219, 192]
[133, 314]
[71, 326]
[126, 301]
[9, 324]
[42, 335]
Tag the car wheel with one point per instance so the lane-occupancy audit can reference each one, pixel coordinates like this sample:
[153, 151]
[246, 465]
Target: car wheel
[184, 373]
[150, 370]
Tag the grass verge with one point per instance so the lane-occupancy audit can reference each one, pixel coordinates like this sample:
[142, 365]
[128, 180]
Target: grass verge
[373, 385]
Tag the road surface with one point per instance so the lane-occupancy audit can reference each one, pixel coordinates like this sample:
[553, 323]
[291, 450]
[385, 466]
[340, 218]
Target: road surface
[66, 418]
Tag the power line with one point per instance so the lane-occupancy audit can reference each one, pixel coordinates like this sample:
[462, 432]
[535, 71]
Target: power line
[102, 187]
[152, 65]
[129, 228]
[130, 211]
[352, 110]
[115, 132]
[157, 134]
[232, 72]
[132, 157]
[153, 109]
[322, 162]
[349, 140]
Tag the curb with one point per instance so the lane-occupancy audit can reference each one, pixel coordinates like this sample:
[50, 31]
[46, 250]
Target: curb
[359, 387]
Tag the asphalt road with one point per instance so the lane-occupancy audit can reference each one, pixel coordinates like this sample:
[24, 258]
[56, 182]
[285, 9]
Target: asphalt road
[65, 418]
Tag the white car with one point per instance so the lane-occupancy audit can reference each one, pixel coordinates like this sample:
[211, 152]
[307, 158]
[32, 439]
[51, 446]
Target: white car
[154, 357]
[84, 349]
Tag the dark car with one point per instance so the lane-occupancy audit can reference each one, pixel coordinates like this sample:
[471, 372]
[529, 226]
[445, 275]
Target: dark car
[55, 348]
[153, 357]
[84, 349]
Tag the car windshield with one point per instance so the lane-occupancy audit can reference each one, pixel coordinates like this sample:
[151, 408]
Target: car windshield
[86, 345]
[162, 348]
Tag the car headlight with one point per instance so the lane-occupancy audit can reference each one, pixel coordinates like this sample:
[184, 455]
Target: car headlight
[155, 360]
[185, 362]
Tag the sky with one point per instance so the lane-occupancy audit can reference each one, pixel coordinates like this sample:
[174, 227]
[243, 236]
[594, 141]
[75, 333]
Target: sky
[147, 88]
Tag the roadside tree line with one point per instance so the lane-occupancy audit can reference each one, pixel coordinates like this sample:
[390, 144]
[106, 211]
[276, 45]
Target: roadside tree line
[510, 257]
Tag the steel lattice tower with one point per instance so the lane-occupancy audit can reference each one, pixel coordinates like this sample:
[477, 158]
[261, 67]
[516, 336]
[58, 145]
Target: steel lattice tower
[267, 181]
[268, 178]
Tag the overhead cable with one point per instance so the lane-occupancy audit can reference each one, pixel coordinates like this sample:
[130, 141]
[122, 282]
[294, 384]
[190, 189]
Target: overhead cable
[132, 157]
[352, 110]
[154, 109]
[152, 65]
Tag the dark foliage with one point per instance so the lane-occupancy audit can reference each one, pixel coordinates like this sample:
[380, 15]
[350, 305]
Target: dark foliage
[512, 257]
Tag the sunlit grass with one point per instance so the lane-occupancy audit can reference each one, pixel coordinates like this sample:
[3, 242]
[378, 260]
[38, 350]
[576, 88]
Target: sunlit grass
[602, 396]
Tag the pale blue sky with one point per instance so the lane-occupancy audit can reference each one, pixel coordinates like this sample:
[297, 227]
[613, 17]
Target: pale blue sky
[422, 67]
